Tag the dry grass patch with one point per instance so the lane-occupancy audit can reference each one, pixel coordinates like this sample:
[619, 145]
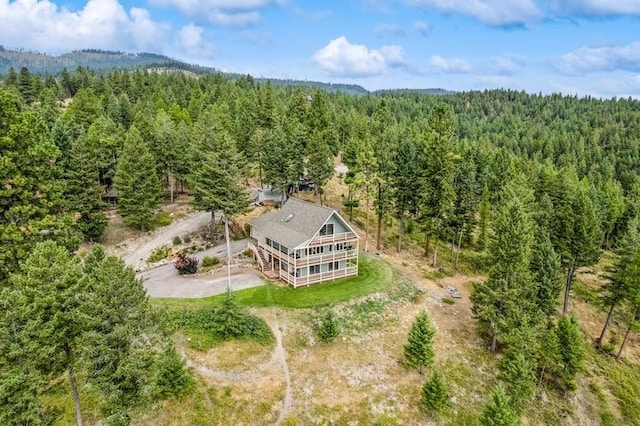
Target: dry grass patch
[224, 356]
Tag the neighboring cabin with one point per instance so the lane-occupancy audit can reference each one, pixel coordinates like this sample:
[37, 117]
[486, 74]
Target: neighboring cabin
[304, 243]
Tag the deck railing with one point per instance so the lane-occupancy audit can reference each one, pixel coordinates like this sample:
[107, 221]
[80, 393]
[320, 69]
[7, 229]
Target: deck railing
[333, 238]
[316, 278]
[317, 259]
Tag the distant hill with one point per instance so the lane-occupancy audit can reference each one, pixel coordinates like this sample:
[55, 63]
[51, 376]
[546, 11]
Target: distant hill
[423, 91]
[42, 63]
[102, 60]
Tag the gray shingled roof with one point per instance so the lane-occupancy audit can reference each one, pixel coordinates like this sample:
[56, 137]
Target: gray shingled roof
[295, 223]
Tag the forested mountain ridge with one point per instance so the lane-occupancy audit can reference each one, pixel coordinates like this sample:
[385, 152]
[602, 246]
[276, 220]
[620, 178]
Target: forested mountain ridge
[105, 60]
[530, 189]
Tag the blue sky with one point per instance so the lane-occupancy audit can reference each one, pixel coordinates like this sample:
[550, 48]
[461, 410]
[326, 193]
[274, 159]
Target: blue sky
[583, 47]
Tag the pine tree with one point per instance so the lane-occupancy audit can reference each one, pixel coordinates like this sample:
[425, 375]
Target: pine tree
[173, 379]
[136, 182]
[25, 85]
[418, 351]
[517, 372]
[434, 394]
[485, 210]
[576, 229]
[436, 183]
[30, 187]
[498, 412]
[545, 266]
[214, 177]
[623, 277]
[319, 163]
[20, 393]
[467, 196]
[52, 290]
[385, 141]
[508, 290]
[11, 79]
[282, 165]
[572, 350]
[125, 338]
[83, 192]
[329, 328]
[548, 356]
[167, 149]
[405, 197]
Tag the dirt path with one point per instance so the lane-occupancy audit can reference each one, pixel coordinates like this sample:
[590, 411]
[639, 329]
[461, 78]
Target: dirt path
[280, 356]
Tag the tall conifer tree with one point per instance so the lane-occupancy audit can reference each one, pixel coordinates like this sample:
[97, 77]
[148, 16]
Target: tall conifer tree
[136, 182]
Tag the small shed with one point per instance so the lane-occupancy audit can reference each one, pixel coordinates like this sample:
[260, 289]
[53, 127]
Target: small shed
[271, 197]
[110, 197]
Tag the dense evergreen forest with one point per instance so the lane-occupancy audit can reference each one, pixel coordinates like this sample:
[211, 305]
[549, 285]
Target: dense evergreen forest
[544, 185]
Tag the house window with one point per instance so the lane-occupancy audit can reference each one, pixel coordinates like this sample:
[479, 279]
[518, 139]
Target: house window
[315, 269]
[339, 246]
[333, 266]
[316, 250]
[327, 229]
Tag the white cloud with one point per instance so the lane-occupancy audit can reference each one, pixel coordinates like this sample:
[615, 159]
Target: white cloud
[494, 81]
[197, 5]
[491, 12]
[600, 58]
[389, 30]
[422, 27]
[190, 42]
[342, 58]
[221, 12]
[452, 65]
[508, 64]
[104, 24]
[596, 7]
[623, 86]
[262, 39]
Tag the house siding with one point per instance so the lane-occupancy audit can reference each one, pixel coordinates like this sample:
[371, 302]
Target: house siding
[330, 254]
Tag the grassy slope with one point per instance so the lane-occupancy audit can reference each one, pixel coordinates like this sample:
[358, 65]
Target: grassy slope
[374, 275]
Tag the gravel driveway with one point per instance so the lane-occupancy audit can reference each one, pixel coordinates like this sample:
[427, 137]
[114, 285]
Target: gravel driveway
[170, 284]
[165, 281]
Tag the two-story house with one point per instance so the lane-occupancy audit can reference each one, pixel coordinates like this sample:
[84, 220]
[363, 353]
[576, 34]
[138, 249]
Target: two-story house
[304, 243]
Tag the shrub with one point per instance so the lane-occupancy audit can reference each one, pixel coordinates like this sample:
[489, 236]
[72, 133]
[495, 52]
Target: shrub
[210, 261]
[186, 264]
[159, 253]
[173, 378]
[161, 219]
[187, 239]
[418, 351]
[177, 241]
[434, 395]
[228, 321]
[329, 328]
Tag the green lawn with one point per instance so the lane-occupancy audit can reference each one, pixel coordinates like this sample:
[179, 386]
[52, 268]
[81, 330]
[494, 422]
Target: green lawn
[374, 275]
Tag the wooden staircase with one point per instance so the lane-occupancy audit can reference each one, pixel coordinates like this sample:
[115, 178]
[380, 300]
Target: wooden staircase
[265, 266]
